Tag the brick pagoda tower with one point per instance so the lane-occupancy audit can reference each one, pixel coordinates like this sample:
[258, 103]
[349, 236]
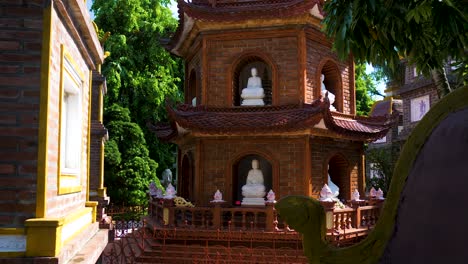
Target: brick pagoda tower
[295, 136]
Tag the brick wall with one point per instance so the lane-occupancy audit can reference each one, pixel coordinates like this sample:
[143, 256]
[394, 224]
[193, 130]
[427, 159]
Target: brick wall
[20, 66]
[325, 149]
[289, 159]
[281, 48]
[406, 97]
[285, 154]
[61, 205]
[319, 52]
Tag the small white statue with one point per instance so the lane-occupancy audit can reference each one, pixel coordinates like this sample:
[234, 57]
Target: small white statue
[326, 194]
[271, 197]
[373, 192]
[379, 194]
[331, 97]
[218, 197]
[170, 192]
[356, 195]
[194, 101]
[153, 190]
[253, 94]
[159, 193]
[254, 187]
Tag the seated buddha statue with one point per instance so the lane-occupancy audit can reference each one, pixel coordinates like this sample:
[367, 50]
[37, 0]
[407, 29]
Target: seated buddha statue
[331, 97]
[253, 94]
[254, 187]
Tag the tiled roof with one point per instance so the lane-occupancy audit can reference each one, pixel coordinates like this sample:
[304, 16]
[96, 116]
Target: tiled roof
[233, 11]
[226, 10]
[211, 120]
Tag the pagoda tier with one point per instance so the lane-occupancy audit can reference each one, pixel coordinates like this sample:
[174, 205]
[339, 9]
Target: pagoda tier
[271, 119]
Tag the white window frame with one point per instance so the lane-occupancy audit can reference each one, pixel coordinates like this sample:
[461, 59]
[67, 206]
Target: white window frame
[71, 126]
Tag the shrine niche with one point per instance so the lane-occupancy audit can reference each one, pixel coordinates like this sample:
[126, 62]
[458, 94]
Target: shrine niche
[332, 83]
[186, 181]
[337, 171]
[192, 94]
[240, 171]
[243, 71]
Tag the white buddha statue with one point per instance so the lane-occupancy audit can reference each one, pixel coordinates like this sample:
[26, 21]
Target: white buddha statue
[253, 94]
[331, 97]
[254, 189]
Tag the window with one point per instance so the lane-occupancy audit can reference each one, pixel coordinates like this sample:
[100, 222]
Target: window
[70, 133]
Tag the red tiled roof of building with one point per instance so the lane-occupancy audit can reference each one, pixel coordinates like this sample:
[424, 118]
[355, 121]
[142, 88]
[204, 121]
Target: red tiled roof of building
[211, 120]
[229, 10]
[234, 11]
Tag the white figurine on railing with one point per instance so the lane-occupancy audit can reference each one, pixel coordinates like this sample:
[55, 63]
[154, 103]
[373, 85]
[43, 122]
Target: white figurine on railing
[271, 197]
[170, 192]
[373, 192]
[356, 195]
[218, 197]
[379, 194]
[153, 189]
[326, 194]
[159, 193]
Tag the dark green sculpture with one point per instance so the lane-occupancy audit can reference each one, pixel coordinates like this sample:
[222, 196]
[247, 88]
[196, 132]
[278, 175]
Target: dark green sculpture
[307, 216]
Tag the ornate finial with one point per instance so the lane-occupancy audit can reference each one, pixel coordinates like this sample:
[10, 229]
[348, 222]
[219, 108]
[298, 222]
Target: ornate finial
[153, 190]
[326, 194]
[170, 192]
[379, 194]
[218, 197]
[271, 197]
[356, 195]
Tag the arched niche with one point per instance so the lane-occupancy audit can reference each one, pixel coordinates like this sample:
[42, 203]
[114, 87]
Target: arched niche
[192, 88]
[240, 72]
[240, 170]
[338, 168]
[186, 179]
[332, 82]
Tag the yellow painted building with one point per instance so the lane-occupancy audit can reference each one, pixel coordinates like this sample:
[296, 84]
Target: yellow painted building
[49, 55]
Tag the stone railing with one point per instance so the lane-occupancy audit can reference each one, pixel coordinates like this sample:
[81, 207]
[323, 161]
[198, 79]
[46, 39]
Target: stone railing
[218, 216]
[361, 215]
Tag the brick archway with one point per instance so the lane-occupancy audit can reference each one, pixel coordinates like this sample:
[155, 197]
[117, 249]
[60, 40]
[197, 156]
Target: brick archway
[333, 83]
[239, 72]
[338, 168]
[232, 173]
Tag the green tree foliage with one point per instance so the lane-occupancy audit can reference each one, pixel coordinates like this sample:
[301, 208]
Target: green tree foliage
[128, 168]
[366, 87]
[381, 32]
[382, 162]
[140, 75]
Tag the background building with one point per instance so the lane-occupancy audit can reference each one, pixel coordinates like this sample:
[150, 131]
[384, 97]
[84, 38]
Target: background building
[50, 133]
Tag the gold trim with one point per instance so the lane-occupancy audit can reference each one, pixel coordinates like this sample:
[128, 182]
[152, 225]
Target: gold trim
[65, 55]
[88, 158]
[42, 157]
[12, 231]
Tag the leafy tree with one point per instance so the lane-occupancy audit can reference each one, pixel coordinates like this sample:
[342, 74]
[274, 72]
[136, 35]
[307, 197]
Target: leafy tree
[382, 162]
[140, 75]
[381, 32]
[128, 168]
[365, 88]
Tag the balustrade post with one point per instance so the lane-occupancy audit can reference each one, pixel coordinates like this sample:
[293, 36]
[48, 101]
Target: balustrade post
[168, 211]
[270, 217]
[356, 220]
[329, 207]
[217, 214]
